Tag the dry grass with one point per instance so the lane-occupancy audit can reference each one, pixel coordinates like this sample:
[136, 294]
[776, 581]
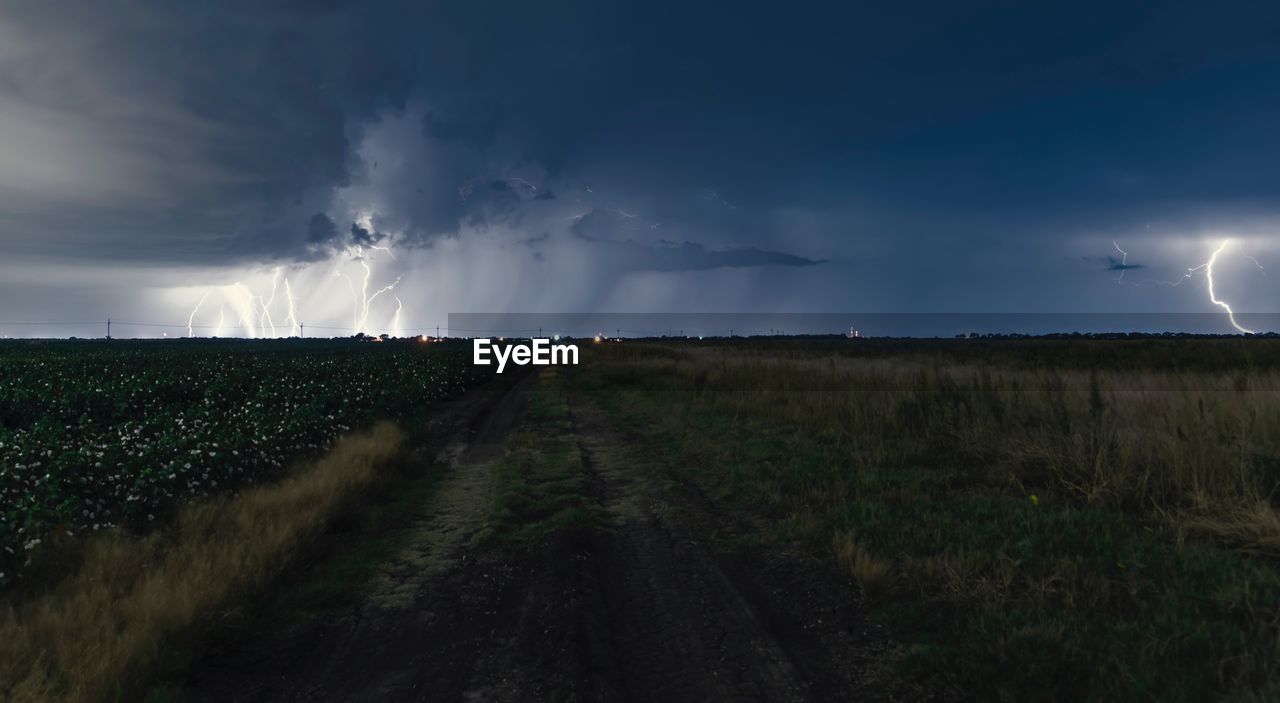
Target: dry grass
[1180, 444]
[1254, 528]
[874, 575]
[1038, 530]
[96, 633]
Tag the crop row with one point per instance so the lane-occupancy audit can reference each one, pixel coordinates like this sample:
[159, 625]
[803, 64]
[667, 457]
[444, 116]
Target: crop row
[95, 436]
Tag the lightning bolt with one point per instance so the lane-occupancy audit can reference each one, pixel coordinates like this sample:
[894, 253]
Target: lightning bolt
[361, 301]
[292, 317]
[265, 320]
[191, 318]
[242, 301]
[1124, 260]
[1208, 273]
[364, 313]
[254, 314]
[395, 321]
[1207, 269]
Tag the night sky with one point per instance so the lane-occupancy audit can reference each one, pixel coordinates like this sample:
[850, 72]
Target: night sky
[645, 157]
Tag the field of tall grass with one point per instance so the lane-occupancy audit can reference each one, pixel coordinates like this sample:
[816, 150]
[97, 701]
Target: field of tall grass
[1037, 522]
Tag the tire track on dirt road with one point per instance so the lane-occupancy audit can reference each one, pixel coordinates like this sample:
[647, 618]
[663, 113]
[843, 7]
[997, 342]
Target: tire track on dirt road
[689, 625]
[374, 650]
[628, 604]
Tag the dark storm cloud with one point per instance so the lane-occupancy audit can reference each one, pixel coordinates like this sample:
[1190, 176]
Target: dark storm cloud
[321, 230]
[181, 132]
[1114, 264]
[604, 224]
[223, 127]
[690, 256]
[476, 129]
[365, 237]
[609, 232]
[324, 237]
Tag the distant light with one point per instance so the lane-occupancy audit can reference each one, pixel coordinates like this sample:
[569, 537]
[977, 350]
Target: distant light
[557, 337]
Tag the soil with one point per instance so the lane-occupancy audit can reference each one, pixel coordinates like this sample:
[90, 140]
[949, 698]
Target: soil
[638, 606]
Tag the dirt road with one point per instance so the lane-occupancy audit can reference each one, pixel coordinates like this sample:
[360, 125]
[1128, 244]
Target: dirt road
[632, 604]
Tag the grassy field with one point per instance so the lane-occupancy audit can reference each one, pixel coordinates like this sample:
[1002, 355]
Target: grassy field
[1028, 519]
[1034, 520]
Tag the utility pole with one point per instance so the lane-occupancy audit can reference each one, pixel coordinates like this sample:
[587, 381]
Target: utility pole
[618, 333]
[437, 331]
[302, 330]
[108, 328]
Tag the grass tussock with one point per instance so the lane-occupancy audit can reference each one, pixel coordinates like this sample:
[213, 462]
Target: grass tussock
[1081, 522]
[95, 635]
[1253, 528]
[874, 575]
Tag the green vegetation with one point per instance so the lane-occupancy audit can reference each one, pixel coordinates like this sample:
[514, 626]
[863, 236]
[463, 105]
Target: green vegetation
[540, 484]
[1076, 353]
[354, 555]
[1104, 528]
[96, 435]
